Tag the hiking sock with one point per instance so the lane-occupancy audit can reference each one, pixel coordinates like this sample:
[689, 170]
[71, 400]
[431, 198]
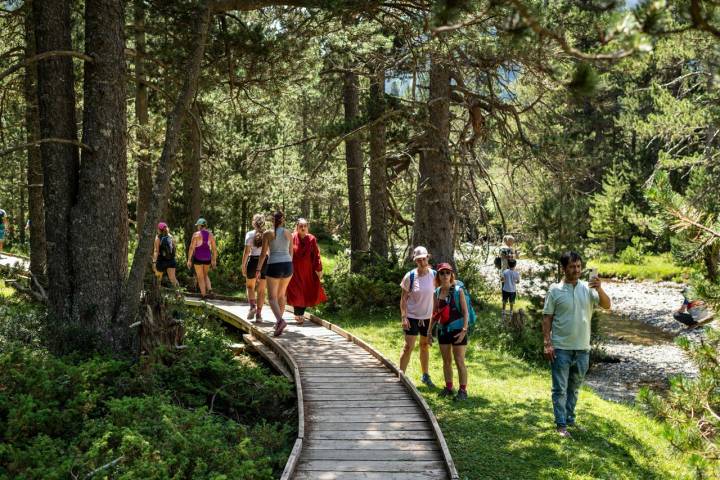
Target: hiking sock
[449, 385]
[252, 303]
[463, 388]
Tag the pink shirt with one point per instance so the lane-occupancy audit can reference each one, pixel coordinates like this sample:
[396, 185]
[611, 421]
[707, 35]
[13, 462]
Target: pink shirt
[420, 297]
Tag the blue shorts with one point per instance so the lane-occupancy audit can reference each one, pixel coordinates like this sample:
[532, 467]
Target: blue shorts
[279, 270]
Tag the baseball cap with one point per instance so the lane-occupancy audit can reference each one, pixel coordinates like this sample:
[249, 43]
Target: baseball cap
[162, 226]
[201, 221]
[444, 266]
[420, 252]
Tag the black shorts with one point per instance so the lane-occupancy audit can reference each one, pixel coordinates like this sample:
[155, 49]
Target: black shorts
[161, 265]
[195, 261]
[685, 318]
[251, 267]
[448, 337]
[508, 296]
[415, 327]
[279, 270]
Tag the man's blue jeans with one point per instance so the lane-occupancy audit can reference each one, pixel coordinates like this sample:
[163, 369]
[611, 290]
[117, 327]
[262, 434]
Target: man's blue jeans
[568, 372]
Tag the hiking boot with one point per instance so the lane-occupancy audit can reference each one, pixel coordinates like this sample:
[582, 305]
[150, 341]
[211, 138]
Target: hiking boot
[577, 427]
[280, 327]
[447, 392]
[427, 381]
[562, 431]
[251, 313]
[461, 395]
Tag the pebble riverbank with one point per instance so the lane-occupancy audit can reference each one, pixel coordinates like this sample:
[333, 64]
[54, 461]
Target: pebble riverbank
[635, 365]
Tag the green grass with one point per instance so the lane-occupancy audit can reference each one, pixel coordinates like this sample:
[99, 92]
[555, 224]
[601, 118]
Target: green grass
[505, 430]
[656, 268]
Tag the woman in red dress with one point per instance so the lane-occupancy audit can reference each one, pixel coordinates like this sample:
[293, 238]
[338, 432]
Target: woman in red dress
[305, 289]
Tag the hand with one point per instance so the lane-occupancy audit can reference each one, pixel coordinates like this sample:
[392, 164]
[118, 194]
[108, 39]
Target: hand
[460, 336]
[189, 265]
[549, 352]
[430, 338]
[595, 282]
[257, 274]
[405, 323]
[213, 264]
[319, 274]
[244, 272]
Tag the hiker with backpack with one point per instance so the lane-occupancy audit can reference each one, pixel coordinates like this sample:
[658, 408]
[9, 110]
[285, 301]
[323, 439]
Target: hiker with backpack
[202, 255]
[452, 311]
[416, 307]
[164, 254]
[251, 258]
[3, 227]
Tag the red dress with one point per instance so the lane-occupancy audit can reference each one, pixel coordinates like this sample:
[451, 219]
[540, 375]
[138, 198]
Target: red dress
[304, 289]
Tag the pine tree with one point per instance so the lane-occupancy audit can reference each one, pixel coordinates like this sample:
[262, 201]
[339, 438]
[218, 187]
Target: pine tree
[609, 212]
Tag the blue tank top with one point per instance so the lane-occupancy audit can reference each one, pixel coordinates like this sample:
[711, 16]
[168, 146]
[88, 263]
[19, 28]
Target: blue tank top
[279, 248]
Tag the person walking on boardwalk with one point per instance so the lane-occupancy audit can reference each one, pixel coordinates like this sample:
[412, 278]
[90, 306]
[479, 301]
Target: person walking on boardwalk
[305, 289]
[164, 254]
[3, 228]
[277, 252]
[451, 313]
[567, 313]
[416, 308]
[202, 255]
[251, 258]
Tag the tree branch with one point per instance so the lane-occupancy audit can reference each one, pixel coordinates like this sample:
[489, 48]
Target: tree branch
[36, 143]
[43, 56]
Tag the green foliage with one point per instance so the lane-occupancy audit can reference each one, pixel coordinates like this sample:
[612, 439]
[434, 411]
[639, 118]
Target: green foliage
[609, 211]
[199, 413]
[691, 408]
[654, 267]
[634, 254]
[584, 80]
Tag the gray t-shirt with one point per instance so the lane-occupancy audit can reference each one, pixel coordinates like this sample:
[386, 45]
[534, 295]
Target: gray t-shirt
[510, 280]
[279, 248]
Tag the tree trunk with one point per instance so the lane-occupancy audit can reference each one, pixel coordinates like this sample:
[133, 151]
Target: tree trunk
[378, 171]
[191, 175]
[20, 223]
[99, 218]
[354, 161]
[165, 167]
[434, 212]
[144, 162]
[36, 209]
[56, 108]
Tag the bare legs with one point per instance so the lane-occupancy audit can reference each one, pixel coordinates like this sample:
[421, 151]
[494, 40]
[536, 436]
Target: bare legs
[171, 276]
[457, 352]
[277, 287]
[407, 352]
[256, 286]
[201, 273]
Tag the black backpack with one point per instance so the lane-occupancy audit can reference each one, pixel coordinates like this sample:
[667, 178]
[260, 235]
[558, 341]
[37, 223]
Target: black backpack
[167, 248]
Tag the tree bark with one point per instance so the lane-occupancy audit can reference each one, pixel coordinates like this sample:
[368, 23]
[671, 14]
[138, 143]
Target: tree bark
[56, 108]
[354, 161]
[144, 163]
[99, 218]
[36, 208]
[378, 171]
[434, 211]
[191, 176]
[165, 167]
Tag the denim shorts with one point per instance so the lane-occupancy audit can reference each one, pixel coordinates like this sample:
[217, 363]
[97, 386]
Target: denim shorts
[280, 270]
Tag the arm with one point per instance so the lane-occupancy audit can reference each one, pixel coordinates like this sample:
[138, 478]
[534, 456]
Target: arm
[288, 235]
[463, 308]
[156, 249]
[432, 319]
[213, 248]
[263, 252]
[549, 351]
[246, 254]
[317, 261]
[605, 301]
[403, 308]
[191, 251]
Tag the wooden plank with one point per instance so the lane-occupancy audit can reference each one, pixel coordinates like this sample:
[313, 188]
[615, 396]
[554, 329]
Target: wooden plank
[369, 426]
[364, 418]
[390, 455]
[367, 444]
[315, 475]
[368, 390]
[344, 403]
[374, 435]
[353, 380]
[343, 374]
[370, 466]
[293, 459]
[314, 396]
[335, 409]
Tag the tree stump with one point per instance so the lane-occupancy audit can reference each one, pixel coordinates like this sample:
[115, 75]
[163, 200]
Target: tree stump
[161, 324]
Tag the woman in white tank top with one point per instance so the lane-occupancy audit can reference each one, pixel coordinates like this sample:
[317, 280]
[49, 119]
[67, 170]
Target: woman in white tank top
[278, 244]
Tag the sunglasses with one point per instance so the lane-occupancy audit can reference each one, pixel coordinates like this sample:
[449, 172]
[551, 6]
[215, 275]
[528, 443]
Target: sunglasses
[302, 226]
[445, 272]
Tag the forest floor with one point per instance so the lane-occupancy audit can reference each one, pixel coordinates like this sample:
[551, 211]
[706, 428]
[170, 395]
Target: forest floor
[505, 429]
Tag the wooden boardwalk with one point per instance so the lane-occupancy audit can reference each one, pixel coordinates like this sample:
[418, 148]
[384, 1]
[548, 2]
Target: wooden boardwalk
[359, 417]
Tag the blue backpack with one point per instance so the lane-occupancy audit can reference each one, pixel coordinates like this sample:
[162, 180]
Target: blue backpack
[472, 316]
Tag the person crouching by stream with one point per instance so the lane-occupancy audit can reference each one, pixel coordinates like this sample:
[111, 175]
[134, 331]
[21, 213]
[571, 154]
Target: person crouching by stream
[164, 254]
[451, 313]
[567, 313]
[416, 308]
[277, 252]
[305, 289]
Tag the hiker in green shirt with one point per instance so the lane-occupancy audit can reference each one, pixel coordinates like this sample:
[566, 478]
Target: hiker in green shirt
[566, 330]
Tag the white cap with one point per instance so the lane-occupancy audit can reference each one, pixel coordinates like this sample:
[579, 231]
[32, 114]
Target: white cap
[420, 252]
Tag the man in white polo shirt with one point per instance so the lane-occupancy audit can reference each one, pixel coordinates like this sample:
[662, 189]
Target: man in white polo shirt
[566, 329]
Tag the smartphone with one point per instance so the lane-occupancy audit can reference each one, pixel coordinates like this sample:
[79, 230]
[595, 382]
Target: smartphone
[593, 274]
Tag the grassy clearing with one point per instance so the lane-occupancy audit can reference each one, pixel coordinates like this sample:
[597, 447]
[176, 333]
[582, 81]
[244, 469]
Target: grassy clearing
[505, 429]
[656, 268]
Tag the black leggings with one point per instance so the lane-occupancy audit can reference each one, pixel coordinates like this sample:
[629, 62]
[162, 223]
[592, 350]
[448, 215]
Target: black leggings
[300, 311]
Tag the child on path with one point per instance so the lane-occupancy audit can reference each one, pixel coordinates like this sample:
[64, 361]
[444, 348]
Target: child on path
[509, 286]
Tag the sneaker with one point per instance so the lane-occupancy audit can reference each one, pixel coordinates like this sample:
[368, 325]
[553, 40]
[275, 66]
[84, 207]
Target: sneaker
[447, 392]
[299, 319]
[251, 313]
[562, 431]
[427, 381]
[461, 395]
[577, 427]
[279, 328]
